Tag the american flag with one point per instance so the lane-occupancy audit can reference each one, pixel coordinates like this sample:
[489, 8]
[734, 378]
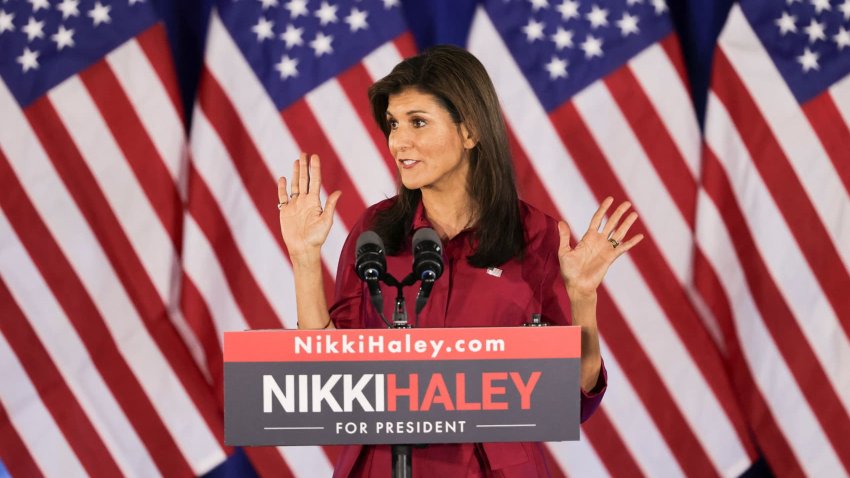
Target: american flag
[597, 102]
[773, 225]
[280, 78]
[96, 377]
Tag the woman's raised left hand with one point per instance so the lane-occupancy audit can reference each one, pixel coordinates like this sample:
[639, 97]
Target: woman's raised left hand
[584, 266]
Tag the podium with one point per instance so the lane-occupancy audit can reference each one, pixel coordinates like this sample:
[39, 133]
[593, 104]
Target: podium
[401, 386]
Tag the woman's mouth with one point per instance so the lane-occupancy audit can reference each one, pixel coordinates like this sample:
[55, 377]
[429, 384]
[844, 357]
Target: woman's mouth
[408, 163]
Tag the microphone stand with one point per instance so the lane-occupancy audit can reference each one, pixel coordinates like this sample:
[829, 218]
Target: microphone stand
[402, 455]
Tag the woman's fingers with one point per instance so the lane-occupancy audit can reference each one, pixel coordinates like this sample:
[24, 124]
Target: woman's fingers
[296, 173]
[624, 247]
[564, 233]
[623, 228]
[612, 221]
[282, 196]
[596, 220]
[303, 175]
[330, 204]
[315, 175]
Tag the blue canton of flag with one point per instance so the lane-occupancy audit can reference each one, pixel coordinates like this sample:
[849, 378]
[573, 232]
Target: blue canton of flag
[45, 42]
[565, 47]
[308, 42]
[809, 41]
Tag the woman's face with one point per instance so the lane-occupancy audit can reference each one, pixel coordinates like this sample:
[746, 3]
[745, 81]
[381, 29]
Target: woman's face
[430, 150]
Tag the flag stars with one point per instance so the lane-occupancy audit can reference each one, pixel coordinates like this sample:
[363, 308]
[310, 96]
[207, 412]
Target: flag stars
[660, 6]
[269, 3]
[263, 29]
[297, 8]
[287, 67]
[292, 36]
[845, 9]
[326, 13]
[357, 20]
[786, 23]
[569, 9]
[28, 60]
[133, 2]
[6, 24]
[598, 17]
[322, 44]
[562, 38]
[533, 30]
[821, 5]
[809, 60]
[842, 38]
[538, 4]
[63, 37]
[592, 47]
[628, 24]
[815, 31]
[34, 29]
[38, 5]
[69, 8]
[557, 68]
[100, 14]
[390, 4]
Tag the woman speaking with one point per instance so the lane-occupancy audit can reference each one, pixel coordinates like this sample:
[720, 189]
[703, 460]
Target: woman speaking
[504, 259]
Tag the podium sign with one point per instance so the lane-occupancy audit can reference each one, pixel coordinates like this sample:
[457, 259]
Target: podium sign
[394, 386]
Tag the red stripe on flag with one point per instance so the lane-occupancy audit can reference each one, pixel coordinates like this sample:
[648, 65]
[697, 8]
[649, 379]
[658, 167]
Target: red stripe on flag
[772, 443]
[659, 146]
[253, 304]
[670, 296]
[406, 44]
[94, 205]
[552, 465]
[15, 455]
[833, 132]
[138, 149]
[258, 181]
[53, 390]
[355, 82]
[89, 324]
[154, 42]
[200, 321]
[268, 462]
[785, 188]
[665, 287]
[777, 317]
[608, 442]
[310, 137]
[613, 452]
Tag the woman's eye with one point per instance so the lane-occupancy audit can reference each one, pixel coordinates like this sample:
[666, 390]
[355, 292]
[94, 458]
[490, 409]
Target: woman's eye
[418, 123]
[393, 124]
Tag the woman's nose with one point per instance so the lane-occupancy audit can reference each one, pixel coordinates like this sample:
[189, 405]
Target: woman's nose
[399, 140]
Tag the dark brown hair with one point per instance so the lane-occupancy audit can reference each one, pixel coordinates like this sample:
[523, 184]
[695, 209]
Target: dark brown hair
[460, 83]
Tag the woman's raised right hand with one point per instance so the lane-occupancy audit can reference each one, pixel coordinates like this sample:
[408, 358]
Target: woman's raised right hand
[304, 224]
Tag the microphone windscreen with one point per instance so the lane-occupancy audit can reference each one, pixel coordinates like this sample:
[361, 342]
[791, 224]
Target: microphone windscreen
[369, 237]
[426, 234]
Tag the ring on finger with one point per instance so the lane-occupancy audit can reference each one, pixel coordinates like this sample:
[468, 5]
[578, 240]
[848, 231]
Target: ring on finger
[292, 196]
[281, 204]
[614, 242]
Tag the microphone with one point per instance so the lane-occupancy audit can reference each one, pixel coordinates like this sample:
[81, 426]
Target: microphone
[371, 265]
[427, 263]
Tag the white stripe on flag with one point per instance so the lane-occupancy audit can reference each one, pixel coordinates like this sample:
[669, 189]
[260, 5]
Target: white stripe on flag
[380, 62]
[662, 84]
[32, 420]
[258, 248]
[70, 356]
[787, 266]
[153, 105]
[767, 365]
[351, 141]
[305, 461]
[840, 93]
[790, 128]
